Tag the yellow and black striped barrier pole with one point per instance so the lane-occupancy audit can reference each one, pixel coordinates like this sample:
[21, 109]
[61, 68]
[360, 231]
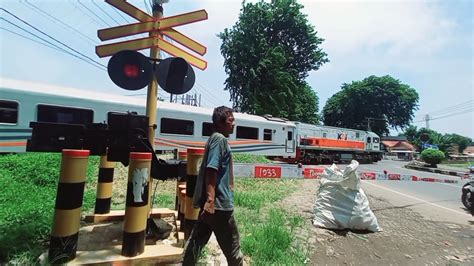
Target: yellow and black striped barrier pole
[104, 186]
[191, 214]
[181, 180]
[67, 214]
[136, 210]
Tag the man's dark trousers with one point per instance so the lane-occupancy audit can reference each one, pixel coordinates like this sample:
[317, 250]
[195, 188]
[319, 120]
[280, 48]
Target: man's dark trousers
[222, 223]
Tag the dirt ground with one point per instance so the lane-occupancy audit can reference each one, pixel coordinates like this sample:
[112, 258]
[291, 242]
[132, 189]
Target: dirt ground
[407, 238]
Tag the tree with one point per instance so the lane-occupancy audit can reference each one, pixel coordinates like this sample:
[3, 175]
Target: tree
[444, 142]
[267, 56]
[381, 101]
[433, 157]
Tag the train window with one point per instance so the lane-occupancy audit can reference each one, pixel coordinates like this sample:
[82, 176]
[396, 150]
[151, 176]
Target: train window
[177, 126]
[324, 135]
[247, 132]
[8, 112]
[357, 135]
[67, 115]
[207, 129]
[376, 140]
[267, 134]
[368, 140]
[290, 135]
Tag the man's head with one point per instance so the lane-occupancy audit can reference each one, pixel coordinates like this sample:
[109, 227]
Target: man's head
[223, 120]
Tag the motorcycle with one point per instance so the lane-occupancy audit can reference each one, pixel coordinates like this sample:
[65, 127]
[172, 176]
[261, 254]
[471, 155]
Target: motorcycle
[467, 196]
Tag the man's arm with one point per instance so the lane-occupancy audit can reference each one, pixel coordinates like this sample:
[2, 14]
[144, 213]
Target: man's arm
[211, 180]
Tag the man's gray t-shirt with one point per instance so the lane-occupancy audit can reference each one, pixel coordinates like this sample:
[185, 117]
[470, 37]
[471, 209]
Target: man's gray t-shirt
[219, 157]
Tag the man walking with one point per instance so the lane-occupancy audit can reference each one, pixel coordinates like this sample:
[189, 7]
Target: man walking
[214, 195]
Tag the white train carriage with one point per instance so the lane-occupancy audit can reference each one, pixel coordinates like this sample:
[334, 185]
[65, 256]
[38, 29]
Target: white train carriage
[317, 144]
[178, 126]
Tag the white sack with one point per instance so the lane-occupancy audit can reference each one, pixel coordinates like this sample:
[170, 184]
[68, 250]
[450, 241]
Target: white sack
[341, 202]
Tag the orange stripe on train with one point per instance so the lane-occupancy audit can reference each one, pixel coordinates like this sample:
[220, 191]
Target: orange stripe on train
[13, 144]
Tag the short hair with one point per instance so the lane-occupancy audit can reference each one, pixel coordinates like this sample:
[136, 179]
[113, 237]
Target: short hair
[220, 114]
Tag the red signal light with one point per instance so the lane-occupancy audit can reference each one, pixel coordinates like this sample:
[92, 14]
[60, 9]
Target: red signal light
[131, 71]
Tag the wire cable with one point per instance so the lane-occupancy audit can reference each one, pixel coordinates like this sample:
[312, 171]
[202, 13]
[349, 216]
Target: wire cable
[93, 13]
[103, 11]
[31, 39]
[59, 48]
[49, 36]
[54, 19]
[85, 13]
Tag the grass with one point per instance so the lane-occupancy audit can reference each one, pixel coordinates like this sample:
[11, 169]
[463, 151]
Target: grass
[29, 183]
[249, 158]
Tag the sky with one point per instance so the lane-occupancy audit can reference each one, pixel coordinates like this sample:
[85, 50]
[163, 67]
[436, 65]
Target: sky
[427, 45]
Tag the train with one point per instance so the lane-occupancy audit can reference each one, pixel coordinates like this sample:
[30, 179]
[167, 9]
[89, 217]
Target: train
[178, 126]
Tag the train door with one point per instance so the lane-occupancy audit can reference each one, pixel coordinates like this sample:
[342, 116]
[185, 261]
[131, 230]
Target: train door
[369, 143]
[290, 140]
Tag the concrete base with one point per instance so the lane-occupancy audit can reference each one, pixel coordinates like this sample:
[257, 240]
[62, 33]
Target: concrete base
[118, 215]
[155, 254]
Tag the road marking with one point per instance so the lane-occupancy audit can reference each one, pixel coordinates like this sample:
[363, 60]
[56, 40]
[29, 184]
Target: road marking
[415, 198]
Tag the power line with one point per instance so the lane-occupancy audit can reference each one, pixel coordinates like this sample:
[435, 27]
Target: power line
[103, 11]
[31, 39]
[80, 10]
[452, 108]
[49, 36]
[93, 13]
[54, 19]
[57, 47]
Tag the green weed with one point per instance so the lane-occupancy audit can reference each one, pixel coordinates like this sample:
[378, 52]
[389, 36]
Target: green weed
[249, 158]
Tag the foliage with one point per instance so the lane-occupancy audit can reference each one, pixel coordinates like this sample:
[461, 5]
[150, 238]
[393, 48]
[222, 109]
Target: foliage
[267, 237]
[384, 100]
[432, 156]
[249, 158]
[267, 56]
[270, 243]
[445, 142]
[29, 183]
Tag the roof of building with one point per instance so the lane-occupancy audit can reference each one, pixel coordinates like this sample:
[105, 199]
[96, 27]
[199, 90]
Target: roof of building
[398, 145]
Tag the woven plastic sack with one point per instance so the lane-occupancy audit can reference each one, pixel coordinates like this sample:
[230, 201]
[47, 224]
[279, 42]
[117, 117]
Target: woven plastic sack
[341, 203]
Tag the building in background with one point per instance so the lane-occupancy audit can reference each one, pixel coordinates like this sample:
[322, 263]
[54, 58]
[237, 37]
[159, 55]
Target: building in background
[398, 148]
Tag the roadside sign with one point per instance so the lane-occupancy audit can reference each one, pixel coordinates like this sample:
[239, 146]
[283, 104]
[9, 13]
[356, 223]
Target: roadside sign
[267, 171]
[138, 44]
[130, 10]
[126, 30]
[185, 41]
[182, 19]
[175, 51]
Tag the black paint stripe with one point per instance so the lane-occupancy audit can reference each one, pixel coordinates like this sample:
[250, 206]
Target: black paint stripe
[14, 137]
[102, 206]
[190, 185]
[62, 249]
[106, 175]
[69, 196]
[133, 244]
[16, 130]
[130, 201]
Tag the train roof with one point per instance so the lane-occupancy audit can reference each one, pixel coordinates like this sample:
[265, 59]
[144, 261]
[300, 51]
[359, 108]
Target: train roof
[336, 128]
[116, 98]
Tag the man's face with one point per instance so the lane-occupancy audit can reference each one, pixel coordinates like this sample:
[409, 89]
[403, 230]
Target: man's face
[228, 126]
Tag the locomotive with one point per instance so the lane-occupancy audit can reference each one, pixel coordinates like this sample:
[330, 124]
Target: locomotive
[178, 126]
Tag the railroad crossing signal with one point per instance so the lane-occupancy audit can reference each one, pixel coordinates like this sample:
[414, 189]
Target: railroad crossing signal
[149, 24]
[131, 70]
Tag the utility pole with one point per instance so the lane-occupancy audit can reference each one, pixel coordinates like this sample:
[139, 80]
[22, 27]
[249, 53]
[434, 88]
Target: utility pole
[368, 124]
[427, 119]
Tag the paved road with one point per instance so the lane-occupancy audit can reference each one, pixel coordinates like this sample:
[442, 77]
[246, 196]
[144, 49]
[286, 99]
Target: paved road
[437, 201]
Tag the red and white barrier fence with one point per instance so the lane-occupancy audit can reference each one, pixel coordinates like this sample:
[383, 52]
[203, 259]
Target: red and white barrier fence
[315, 172]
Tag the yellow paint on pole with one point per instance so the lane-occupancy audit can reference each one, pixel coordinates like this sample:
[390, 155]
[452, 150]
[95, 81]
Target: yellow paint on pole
[183, 19]
[130, 10]
[178, 52]
[126, 30]
[185, 41]
[138, 44]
